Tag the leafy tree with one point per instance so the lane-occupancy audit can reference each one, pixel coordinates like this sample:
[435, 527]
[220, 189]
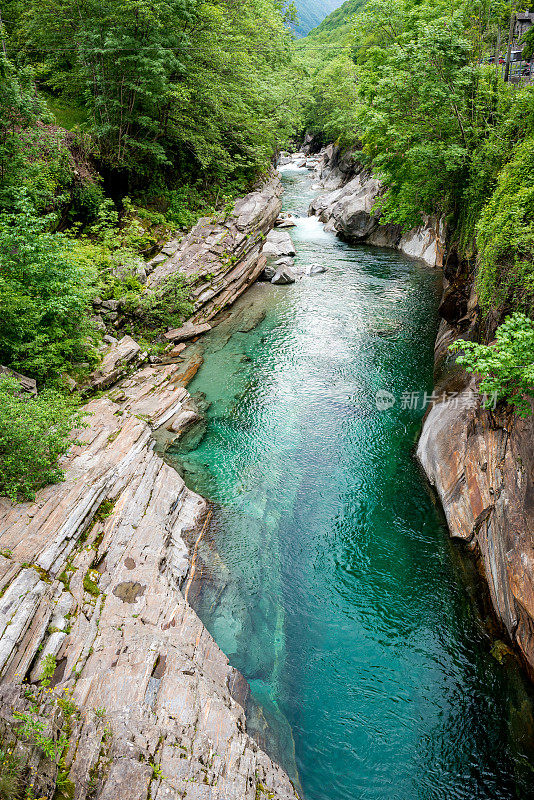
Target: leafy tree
[175, 86]
[20, 108]
[44, 297]
[33, 434]
[506, 365]
[423, 104]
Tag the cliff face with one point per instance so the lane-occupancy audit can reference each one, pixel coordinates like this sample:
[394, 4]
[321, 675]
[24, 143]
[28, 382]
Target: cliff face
[347, 210]
[481, 463]
[96, 573]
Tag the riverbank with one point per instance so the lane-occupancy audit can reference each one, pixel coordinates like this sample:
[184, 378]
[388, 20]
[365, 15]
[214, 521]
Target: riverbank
[94, 574]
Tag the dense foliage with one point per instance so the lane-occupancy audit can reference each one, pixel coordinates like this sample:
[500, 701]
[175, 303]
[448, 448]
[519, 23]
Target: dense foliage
[409, 85]
[505, 235]
[44, 297]
[506, 365]
[33, 434]
[168, 87]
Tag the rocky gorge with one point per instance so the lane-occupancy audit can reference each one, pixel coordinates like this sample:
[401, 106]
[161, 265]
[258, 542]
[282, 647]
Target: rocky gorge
[95, 575]
[97, 572]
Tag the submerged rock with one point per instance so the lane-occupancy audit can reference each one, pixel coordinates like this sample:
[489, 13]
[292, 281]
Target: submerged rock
[285, 261]
[315, 269]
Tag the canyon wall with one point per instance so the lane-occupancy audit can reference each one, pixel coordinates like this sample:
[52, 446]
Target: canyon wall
[481, 463]
[347, 210]
[96, 572]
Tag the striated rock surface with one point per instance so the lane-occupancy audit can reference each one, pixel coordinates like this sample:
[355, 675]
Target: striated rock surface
[481, 463]
[96, 573]
[117, 357]
[482, 466]
[347, 209]
[224, 258]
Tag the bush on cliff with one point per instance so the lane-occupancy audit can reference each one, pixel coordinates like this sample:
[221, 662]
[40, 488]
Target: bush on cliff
[34, 433]
[505, 237]
[506, 365]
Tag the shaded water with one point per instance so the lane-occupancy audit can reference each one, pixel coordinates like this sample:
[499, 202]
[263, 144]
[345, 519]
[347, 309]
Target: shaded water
[330, 581]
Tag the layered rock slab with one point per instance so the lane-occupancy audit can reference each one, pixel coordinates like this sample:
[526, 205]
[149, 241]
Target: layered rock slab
[222, 258]
[152, 685]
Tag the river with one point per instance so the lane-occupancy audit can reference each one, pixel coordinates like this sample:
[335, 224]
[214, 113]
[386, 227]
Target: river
[328, 576]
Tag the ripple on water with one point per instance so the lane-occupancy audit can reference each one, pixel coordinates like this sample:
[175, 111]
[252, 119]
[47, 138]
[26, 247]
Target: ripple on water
[333, 586]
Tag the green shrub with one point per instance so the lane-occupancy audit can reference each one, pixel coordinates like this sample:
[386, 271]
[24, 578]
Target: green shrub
[505, 237]
[44, 297]
[33, 434]
[507, 365]
[166, 305]
[10, 776]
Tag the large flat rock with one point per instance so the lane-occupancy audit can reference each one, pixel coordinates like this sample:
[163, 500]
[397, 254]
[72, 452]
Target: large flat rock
[222, 257]
[278, 244]
[134, 650]
[187, 331]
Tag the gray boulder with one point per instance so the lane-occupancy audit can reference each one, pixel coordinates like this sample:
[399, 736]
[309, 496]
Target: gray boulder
[285, 222]
[269, 272]
[278, 243]
[283, 276]
[188, 331]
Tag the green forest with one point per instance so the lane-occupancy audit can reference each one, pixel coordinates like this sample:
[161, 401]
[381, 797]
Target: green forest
[122, 122]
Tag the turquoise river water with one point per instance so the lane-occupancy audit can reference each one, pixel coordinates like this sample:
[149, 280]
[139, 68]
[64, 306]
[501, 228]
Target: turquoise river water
[328, 576]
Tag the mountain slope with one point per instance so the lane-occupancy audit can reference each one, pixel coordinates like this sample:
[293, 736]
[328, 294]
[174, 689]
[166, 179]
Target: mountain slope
[331, 36]
[311, 13]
